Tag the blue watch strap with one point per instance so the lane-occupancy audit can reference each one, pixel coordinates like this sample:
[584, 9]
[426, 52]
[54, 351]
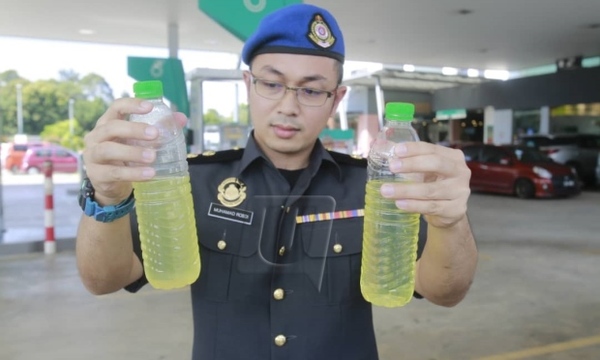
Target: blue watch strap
[111, 212]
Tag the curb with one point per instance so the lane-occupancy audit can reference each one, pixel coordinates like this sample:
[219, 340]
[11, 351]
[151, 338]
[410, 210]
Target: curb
[35, 246]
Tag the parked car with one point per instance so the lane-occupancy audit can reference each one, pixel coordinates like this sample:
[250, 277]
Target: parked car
[580, 151]
[518, 170]
[15, 154]
[62, 159]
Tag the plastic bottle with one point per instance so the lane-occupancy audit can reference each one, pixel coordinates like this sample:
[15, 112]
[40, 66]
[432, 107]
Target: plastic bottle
[164, 206]
[390, 237]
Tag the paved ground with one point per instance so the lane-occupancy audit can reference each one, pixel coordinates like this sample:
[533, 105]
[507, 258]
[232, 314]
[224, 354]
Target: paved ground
[535, 297]
[23, 207]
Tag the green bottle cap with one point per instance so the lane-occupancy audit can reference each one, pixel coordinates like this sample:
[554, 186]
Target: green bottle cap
[148, 89]
[399, 111]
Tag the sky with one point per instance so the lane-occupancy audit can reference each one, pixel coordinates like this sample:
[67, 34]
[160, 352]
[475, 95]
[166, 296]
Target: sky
[37, 59]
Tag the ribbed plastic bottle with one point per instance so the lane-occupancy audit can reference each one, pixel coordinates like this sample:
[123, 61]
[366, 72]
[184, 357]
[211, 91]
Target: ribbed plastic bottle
[164, 206]
[390, 237]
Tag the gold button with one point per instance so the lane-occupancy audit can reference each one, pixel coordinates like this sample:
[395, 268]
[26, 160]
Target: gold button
[282, 251]
[278, 294]
[208, 153]
[337, 248]
[280, 340]
[221, 244]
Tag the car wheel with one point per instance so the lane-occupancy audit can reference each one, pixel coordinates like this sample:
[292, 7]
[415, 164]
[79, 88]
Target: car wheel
[33, 171]
[524, 189]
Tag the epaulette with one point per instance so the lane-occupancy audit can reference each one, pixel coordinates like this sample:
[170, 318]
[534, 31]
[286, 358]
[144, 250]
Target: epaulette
[342, 158]
[210, 156]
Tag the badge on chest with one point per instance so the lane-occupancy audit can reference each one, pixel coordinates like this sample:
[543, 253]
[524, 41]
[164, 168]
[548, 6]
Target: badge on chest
[232, 192]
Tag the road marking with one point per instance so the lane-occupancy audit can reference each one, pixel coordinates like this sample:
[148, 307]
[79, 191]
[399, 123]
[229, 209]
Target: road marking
[546, 349]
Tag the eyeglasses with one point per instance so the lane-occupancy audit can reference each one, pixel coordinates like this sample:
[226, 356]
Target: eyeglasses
[274, 90]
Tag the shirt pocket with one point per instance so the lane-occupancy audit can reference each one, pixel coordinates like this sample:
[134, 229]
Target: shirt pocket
[229, 258]
[339, 257]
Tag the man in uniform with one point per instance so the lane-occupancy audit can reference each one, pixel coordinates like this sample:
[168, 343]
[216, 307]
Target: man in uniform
[278, 280]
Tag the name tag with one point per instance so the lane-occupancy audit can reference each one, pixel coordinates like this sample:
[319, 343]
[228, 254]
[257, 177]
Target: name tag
[230, 214]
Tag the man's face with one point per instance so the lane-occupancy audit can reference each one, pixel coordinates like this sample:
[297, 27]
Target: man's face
[284, 128]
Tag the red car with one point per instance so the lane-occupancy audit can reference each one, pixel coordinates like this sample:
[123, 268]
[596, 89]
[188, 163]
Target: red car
[518, 170]
[62, 159]
[15, 153]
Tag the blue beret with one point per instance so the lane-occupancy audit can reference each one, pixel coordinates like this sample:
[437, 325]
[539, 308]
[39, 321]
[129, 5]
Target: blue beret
[296, 29]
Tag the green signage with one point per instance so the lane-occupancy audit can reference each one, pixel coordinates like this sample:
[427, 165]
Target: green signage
[450, 114]
[241, 18]
[337, 134]
[169, 71]
[338, 140]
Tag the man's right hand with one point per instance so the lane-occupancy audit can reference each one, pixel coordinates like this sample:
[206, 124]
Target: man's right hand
[107, 150]
[105, 256]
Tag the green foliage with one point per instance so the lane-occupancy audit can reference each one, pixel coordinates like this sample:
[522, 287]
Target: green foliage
[46, 103]
[45, 107]
[212, 117]
[8, 76]
[60, 133]
[43, 101]
[243, 114]
[95, 87]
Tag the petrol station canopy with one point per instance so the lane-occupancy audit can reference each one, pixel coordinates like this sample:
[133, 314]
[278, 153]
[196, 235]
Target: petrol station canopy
[479, 34]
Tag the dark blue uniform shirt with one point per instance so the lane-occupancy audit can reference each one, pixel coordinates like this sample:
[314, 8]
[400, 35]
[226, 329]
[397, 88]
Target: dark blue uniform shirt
[279, 280]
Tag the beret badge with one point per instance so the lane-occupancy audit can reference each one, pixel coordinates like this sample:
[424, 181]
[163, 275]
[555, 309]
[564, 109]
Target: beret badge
[320, 34]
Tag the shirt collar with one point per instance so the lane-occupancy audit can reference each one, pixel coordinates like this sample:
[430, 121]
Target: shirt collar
[319, 157]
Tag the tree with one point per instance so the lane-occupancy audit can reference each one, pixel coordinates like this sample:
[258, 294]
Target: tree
[88, 112]
[68, 75]
[95, 86]
[212, 117]
[46, 102]
[60, 133]
[8, 76]
[243, 114]
[8, 102]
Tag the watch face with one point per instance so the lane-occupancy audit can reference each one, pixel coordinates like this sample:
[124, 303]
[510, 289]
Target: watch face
[86, 191]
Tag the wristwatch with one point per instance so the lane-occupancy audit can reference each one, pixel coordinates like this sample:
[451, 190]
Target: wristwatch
[103, 214]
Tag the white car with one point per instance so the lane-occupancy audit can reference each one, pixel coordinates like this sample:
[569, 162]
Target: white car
[579, 151]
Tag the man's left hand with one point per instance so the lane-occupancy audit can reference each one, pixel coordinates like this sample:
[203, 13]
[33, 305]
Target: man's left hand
[443, 194]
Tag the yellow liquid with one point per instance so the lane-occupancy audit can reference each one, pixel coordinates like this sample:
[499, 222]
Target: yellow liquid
[390, 241]
[168, 235]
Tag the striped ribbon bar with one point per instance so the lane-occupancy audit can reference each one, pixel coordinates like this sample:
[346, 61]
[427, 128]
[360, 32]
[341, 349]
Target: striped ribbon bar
[344, 214]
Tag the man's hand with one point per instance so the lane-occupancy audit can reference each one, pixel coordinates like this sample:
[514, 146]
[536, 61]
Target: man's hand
[107, 150]
[442, 196]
